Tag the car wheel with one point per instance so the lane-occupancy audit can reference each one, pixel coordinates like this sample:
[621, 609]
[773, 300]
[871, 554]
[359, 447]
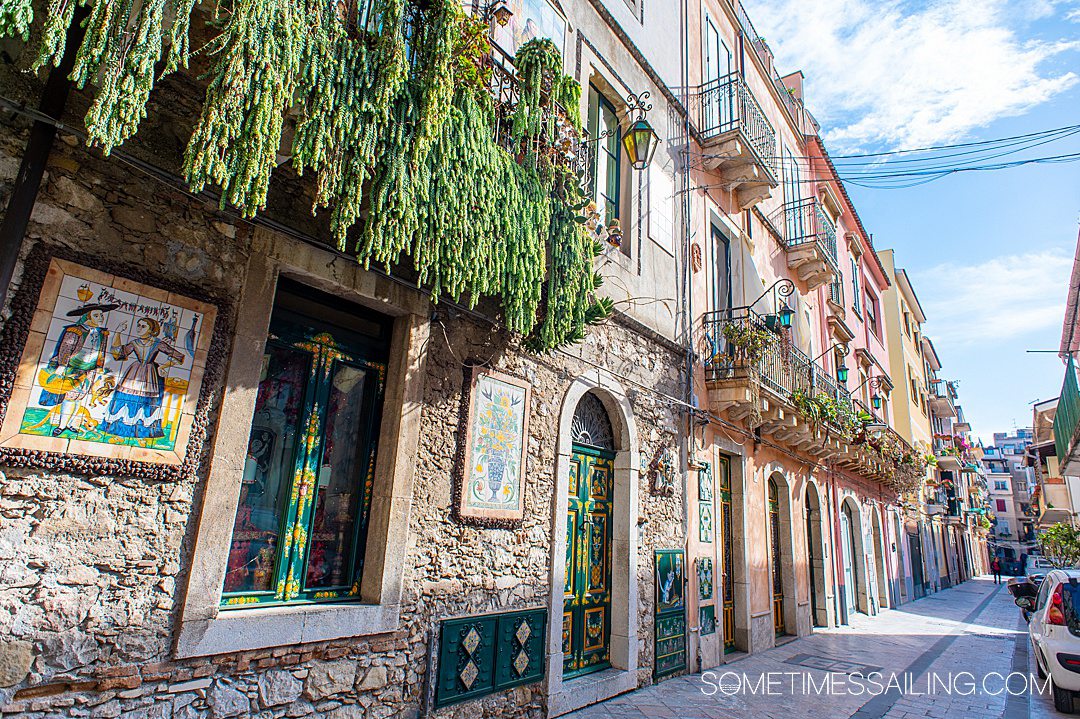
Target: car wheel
[1063, 698]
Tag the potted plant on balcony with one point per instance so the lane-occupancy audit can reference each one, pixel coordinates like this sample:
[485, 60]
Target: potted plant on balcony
[749, 342]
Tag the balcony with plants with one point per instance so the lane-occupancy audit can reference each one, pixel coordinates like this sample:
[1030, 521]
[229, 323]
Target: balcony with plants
[755, 375]
[808, 237]
[739, 141]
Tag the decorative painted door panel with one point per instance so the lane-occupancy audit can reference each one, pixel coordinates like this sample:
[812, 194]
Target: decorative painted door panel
[587, 600]
[670, 619]
[777, 570]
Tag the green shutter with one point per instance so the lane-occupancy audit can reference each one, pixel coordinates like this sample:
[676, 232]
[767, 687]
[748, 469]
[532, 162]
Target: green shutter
[482, 655]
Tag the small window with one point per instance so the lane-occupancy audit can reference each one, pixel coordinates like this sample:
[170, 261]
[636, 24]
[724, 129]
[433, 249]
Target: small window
[1001, 505]
[872, 314]
[855, 292]
[301, 523]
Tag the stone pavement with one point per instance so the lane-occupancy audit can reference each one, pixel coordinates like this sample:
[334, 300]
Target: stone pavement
[948, 655]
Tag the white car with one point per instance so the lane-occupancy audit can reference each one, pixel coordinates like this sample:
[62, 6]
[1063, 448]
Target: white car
[1054, 630]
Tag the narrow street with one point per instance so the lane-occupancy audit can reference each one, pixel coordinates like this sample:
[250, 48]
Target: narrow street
[950, 652]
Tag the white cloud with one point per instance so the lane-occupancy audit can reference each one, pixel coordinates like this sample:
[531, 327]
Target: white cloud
[909, 74]
[1001, 299]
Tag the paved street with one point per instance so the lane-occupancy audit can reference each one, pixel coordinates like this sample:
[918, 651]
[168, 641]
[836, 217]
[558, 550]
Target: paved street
[950, 652]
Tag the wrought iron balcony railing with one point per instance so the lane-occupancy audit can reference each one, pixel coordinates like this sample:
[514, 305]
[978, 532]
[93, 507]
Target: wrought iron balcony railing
[563, 144]
[727, 104]
[804, 223]
[780, 367]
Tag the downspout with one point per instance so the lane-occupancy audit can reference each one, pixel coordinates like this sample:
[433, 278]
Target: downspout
[36, 155]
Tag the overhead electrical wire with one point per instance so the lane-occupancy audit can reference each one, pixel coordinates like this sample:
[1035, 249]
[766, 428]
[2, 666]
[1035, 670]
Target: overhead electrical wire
[885, 173]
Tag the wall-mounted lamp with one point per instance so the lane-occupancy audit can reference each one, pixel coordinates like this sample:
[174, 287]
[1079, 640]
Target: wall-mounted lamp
[784, 314]
[639, 140]
[498, 11]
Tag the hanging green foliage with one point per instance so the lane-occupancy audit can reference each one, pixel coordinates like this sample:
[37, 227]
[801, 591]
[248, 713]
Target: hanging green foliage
[126, 64]
[58, 18]
[395, 120]
[238, 134]
[16, 17]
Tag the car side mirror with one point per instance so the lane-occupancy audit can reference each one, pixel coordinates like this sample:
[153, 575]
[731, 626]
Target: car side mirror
[1027, 603]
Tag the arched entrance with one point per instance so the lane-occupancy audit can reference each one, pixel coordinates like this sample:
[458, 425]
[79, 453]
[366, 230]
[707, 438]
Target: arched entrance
[815, 559]
[779, 625]
[595, 415]
[586, 631]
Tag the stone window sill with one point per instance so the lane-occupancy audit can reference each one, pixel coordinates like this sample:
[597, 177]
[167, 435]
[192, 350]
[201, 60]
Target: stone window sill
[237, 630]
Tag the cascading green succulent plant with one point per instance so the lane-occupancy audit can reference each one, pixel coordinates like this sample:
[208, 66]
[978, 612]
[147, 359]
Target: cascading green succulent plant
[395, 122]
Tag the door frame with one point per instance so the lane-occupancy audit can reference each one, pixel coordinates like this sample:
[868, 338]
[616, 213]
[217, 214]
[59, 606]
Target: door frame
[566, 696]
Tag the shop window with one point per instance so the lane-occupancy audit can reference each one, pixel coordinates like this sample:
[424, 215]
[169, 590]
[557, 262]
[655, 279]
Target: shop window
[301, 523]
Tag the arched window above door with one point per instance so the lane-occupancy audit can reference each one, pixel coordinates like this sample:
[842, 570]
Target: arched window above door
[591, 426]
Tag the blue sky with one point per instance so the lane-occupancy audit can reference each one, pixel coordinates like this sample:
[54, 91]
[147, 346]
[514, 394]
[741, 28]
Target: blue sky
[989, 253]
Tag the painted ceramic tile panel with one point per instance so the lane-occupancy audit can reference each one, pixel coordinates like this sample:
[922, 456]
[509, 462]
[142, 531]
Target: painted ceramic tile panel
[495, 457]
[117, 365]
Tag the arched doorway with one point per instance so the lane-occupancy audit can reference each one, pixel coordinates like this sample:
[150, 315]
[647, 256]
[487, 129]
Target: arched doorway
[815, 559]
[779, 625]
[847, 541]
[587, 594]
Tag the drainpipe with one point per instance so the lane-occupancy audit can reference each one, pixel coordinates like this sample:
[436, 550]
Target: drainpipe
[36, 155]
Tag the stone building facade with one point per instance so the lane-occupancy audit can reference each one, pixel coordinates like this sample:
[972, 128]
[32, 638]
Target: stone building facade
[113, 584]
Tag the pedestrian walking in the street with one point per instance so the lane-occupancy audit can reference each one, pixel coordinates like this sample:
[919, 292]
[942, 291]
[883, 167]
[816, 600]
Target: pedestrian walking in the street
[995, 567]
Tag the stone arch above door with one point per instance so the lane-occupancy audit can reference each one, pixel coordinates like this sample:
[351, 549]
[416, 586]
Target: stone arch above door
[580, 421]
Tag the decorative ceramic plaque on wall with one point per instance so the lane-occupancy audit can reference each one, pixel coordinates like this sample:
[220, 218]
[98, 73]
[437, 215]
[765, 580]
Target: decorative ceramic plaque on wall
[491, 485]
[110, 369]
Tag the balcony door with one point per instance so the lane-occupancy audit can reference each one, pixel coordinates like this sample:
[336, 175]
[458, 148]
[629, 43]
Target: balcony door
[721, 271]
[718, 96]
[795, 217]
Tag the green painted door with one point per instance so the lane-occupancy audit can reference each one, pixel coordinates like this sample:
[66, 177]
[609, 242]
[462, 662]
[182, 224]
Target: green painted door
[586, 634]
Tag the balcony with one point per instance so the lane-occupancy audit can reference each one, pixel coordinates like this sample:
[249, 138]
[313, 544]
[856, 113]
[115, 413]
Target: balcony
[941, 401]
[809, 237]
[739, 142]
[754, 377]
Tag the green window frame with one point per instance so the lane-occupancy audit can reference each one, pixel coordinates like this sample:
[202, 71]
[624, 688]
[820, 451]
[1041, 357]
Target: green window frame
[607, 157]
[300, 531]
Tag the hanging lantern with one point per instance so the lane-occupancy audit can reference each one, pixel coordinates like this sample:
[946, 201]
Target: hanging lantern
[639, 140]
[842, 373]
[786, 315]
[500, 12]
[875, 399]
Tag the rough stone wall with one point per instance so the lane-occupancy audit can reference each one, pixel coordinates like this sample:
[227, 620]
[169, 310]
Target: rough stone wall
[92, 569]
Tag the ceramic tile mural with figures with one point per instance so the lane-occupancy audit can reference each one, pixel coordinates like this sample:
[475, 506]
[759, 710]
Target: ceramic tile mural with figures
[111, 368]
[494, 464]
